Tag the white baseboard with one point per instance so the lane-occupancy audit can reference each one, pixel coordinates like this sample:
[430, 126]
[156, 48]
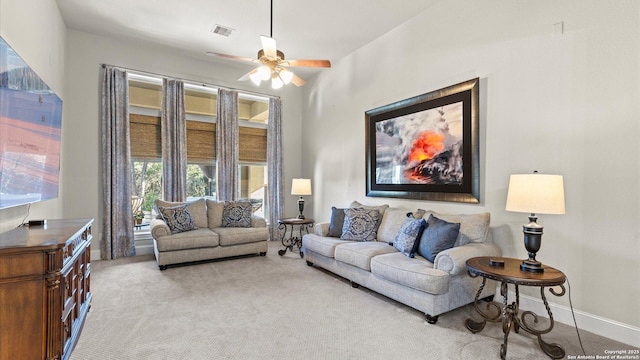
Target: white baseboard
[144, 249]
[611, 329]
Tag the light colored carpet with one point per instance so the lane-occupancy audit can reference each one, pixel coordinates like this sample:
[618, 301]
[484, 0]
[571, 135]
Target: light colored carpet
[277, 308]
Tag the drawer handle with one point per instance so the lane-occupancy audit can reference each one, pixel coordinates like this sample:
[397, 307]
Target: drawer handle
[66, 286]
[66, 328]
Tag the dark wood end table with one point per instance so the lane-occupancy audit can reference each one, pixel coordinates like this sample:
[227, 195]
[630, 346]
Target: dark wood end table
[510, 273]
[291, 241]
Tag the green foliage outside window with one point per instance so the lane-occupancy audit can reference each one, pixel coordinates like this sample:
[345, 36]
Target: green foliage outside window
[148, 182]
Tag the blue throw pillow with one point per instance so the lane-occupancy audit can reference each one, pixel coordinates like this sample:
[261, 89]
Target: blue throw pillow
[439, 235]
[360, 224]
[408, 235]
[336, 223]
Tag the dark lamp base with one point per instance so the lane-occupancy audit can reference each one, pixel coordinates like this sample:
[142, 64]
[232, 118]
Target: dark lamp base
[301, 217]
[531, 266]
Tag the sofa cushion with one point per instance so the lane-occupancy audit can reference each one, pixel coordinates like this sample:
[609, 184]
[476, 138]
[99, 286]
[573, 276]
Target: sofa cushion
[197, 209]
[392, 220]
[325, 246]
[359, 254]
[415, 273]
[237, 214]
[474, 228]
[214, 213]
[406, 239]
[336, 222]
[439, 235]
[194, 239]
[178, 218]
[360, 224]
[234, 235]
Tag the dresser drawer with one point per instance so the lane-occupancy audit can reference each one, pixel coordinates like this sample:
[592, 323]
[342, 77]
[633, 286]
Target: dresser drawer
[26, 264]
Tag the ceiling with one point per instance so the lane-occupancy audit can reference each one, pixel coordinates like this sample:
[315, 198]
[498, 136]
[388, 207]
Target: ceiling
[304, 29]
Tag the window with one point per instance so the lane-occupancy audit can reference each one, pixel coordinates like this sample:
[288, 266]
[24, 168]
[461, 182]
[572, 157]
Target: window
[145, 97]
[253, 113]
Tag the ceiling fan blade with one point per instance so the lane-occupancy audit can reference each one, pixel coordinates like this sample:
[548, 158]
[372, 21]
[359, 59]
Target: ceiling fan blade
[297, 80]
[309, 63]
[245, 77]
[269, 46]
[233, 57]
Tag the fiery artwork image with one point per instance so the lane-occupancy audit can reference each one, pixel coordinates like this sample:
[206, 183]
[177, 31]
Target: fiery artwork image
[421, 148]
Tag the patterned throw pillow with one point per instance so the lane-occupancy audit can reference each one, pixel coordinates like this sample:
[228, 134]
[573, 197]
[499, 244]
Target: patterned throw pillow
[407, 237]
[236, 214]
[178, 218]
[360, 224]
[439, 235]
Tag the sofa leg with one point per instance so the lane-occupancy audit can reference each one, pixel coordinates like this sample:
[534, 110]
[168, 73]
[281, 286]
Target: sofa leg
[431, 319]
[354, 285]
[263, 253]
[162, 267]
[309, 263]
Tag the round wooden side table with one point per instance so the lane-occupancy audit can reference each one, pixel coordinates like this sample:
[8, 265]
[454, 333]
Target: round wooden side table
[291, 241]
[507, 271]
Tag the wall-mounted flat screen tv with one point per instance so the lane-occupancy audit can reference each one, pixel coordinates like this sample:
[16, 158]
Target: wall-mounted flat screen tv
[30, 133]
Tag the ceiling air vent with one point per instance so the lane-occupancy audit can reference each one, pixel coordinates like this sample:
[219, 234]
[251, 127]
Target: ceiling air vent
[222, 30]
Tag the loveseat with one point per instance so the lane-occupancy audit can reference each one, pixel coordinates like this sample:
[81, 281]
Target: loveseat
[205, 230]
[432, 287]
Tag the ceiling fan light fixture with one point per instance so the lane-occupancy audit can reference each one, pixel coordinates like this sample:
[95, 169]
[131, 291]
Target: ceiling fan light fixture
[276, 82]
[255, 78]
[285, 75]
[264, 73]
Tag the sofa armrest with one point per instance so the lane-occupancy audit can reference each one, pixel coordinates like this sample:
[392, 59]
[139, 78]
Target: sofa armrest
[321, 229]
[258, 222]
[454, 260]
[159, 228]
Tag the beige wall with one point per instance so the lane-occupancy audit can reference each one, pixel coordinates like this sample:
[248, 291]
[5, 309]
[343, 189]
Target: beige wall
[565, 104]
[35, 30]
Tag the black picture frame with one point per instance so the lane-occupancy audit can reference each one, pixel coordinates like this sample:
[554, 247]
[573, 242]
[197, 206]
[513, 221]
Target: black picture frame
[426, 147]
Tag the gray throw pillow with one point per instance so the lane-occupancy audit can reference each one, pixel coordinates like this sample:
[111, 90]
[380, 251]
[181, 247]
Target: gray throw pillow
[439, 235]
[336, 223]
[360, 224]
[236, 214]
[408, 235]
[178, 218]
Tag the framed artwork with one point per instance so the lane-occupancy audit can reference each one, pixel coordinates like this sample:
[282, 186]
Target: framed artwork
[425, 147]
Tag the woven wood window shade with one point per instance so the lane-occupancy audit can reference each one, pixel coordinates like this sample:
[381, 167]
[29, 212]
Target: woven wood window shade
[201, 142]
[145, 137]
[201, 145]
[253, 145]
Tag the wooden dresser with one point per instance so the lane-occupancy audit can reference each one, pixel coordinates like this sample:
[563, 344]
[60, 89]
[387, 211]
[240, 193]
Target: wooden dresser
[44, 289]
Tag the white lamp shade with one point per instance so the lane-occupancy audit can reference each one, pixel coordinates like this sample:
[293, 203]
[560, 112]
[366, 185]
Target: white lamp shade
[536, 194]
[276, 82]
[285, 75]
[264, 73]
[301, 187]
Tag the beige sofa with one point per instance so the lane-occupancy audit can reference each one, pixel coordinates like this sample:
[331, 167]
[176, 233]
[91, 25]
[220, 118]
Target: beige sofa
[430, 287]
[211, 240]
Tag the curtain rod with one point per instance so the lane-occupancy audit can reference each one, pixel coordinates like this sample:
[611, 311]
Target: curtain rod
[142, 72]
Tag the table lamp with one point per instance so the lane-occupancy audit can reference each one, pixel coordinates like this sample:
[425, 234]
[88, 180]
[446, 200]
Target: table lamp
[301, 187]
[535, 194]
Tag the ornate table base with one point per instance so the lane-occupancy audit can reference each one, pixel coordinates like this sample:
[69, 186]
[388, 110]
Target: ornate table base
[291, 241]
[508, 314]
[508, 272]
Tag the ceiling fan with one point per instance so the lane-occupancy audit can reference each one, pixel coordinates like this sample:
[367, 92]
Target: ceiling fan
[273, 64]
